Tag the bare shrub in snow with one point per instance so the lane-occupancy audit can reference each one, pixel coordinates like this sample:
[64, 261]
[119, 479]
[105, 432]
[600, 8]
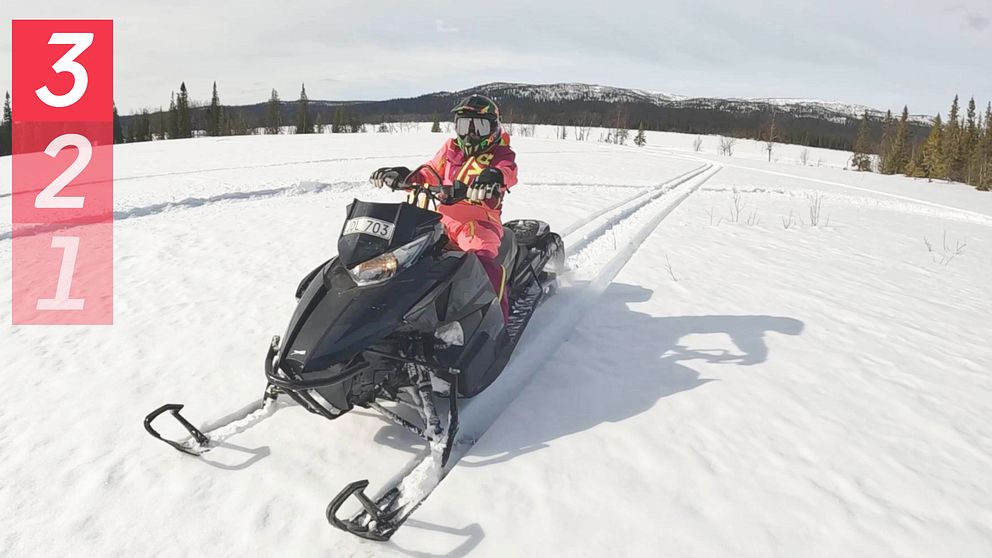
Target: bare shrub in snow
[697, 144]
[789, 222]
[712, 213]
[727, 146]
[753, 220]
[581, 131]
[771, 136]
[736, 207]
[804, 157]
[668, 266]
[947, 252]
[815, 208]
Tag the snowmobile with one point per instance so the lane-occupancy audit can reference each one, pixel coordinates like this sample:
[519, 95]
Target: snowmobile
[400, 323]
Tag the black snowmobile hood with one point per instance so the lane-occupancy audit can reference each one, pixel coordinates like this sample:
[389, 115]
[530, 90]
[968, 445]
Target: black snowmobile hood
[336, 319]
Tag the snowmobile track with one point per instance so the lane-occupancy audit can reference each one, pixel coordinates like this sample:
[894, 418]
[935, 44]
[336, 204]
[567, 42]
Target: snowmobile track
[635, 204]
[580, 223]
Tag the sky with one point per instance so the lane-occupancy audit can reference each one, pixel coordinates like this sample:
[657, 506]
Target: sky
[881, 53]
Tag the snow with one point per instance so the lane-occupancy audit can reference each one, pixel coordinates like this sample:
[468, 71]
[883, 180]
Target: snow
[700, 387]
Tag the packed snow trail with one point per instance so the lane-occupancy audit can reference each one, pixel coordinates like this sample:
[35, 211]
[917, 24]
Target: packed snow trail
[553, 323]
[592, 227]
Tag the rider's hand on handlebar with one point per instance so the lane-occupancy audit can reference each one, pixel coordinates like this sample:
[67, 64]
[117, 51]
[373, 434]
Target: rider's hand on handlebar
[488, 185]
[390, 177]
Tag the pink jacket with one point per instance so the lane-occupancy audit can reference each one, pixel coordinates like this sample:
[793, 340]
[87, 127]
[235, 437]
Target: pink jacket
[452, 165]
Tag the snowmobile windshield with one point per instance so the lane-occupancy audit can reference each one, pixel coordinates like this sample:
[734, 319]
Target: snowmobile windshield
[373, 229]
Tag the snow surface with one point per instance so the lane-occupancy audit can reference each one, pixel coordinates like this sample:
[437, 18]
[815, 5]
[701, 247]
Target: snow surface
[702, 387]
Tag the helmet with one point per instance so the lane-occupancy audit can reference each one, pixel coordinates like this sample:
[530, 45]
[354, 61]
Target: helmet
[476, 124]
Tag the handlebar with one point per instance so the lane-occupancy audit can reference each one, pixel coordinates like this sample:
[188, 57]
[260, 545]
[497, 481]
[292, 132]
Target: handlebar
[445, 194]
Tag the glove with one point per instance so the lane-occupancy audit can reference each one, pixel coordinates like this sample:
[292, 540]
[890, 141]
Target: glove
[390, 177]
[487, 186]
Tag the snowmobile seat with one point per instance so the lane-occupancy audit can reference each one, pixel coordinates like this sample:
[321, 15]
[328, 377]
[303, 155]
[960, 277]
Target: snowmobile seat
[528, 232]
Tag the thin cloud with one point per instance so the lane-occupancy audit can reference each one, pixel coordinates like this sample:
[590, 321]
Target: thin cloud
[442, 28]
[751, 48]
[977, 22]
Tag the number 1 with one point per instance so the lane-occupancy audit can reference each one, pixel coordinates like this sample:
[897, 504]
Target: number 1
[70, 248]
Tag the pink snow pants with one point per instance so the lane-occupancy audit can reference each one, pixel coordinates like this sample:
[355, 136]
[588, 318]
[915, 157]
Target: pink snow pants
[483, 238]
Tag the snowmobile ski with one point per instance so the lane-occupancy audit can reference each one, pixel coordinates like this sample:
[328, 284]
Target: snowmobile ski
[399, 323]
[379, 519]
[199, 442]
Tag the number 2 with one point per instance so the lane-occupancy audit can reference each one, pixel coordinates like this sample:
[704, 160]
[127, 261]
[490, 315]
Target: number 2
[47, 198]
[80, 42]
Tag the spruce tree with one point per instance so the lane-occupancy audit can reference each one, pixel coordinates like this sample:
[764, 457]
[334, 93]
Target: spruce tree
[971, 149]
[952, 143]
[862, 146]
[239, 125]
[436, 126]
[915, 168]
[338, 125]
[184, 126]
[899, 155]
[985, 174]
[971, 127]
[215, 115]
[118, 131]
[639, 139]
[934, 165]
[6, 128]
[172, 122]
[303, 123]
[144, 131]
[885, 147]
[273, 114]
[318, 125]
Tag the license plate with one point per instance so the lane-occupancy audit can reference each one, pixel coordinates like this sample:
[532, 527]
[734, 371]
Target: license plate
[368, 225]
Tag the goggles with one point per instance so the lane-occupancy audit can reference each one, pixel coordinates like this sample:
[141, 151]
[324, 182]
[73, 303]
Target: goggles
[465, 125]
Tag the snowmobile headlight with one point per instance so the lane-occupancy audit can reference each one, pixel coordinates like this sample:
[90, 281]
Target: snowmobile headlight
[382, 268]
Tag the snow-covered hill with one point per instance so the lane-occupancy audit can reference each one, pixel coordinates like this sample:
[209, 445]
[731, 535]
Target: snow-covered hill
[833, 111]
[779, 358]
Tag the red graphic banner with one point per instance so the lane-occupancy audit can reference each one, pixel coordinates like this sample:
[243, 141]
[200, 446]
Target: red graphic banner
[62, 198]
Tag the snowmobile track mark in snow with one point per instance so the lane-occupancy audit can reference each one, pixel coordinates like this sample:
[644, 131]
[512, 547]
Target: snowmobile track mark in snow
[641, 201]
[643, 192]
[407, 491]
[418, 479]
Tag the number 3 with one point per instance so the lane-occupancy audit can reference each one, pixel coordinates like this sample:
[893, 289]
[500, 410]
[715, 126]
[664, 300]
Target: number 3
[80, 42]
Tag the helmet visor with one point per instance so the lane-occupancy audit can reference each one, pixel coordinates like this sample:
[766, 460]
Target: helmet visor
[466, 126]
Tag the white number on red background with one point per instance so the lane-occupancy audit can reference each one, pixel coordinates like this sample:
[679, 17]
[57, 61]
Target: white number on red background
[47, 198]
[70, 248]
[80, 42]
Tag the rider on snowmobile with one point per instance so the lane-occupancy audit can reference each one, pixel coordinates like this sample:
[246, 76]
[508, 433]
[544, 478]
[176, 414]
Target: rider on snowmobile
[479, 157]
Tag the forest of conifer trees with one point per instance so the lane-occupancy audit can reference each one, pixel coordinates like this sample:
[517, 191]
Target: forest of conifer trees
[957, 148]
